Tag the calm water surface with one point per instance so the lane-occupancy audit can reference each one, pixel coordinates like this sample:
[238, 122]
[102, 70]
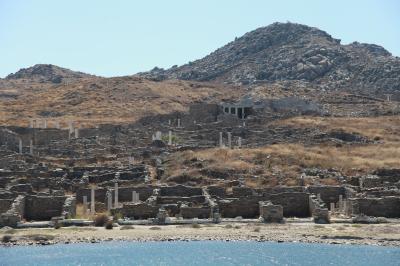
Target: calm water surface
[199, 253]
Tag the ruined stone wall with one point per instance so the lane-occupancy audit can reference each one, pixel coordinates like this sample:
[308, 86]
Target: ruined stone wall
[69, 207]
[42, 208]
[180, 191]
[216, 191]
[328, 193]
[295, 204]
[125, 193]
[244, 207]
[100, 194]
[238, 192]
[379, 207]
[195, 212]
[203, 112]
[5, 205]
[137, 210]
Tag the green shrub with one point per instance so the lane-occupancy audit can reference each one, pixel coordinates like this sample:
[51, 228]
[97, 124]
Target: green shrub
[197, 226]
[127, 227]
[155, 228]
[228, 226]
[6, 238]
[109, 225]
[100, 219]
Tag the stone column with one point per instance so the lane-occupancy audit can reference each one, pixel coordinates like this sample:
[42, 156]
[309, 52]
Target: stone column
[169, 122]
[31, 147]
[76, 131]
[332, 207]
[31, 121]
[221, 144]
[229, 140]
[170, 137]
[239, 142]
[71, 127]
[85, 204]
[179, 122]
[92, 201]
[340, 203]
[158, 135]
[45, 123]
[57, 124]
[116, 195]
[109, 200]
[20, 146]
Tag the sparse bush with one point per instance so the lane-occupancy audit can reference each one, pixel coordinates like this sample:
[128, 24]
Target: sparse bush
[6, 238]
[197, 226]
[155, 228]
[228, 226]
[257, 229]
[109, 225]
[57, 225]
[117, 216]
[127, 227]
[237, 227]
[100, 219]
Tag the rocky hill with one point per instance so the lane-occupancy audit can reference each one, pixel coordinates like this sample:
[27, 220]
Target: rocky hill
[47, 73]
[296, 53]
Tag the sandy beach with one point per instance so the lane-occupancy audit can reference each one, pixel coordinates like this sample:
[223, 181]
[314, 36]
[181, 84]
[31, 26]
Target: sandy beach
[377, 234]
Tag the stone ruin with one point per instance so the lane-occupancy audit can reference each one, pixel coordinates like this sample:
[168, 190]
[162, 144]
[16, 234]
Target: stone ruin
[48, 172]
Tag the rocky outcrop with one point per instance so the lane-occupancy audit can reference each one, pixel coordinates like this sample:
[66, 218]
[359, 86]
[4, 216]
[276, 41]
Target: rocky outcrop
[294, 52]
[47, 73]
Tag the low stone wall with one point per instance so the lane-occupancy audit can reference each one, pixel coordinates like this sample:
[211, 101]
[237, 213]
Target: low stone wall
[42, 208]
[180, 191]
[173, 200]
[137, 210]
[379, 207]
[195, 212]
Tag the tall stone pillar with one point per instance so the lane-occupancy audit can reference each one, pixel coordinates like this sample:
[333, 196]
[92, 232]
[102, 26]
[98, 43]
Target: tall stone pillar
[45, 123]
[85, 204]
[92, 201]
[109, 200]
[31, 147]
[170, 137]
[179, 122]
[76, 131]
[31, 123]
[20, 146]
[240, 142]
[116, 195]
[221, 144]
[229, 140]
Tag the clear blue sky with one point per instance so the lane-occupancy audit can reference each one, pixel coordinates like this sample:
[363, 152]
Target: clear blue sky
[115, 37]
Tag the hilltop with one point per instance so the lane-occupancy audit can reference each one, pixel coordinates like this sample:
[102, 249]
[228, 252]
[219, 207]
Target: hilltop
[299, 54]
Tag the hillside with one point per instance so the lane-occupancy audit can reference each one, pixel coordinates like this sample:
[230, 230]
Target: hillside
[302, 55]
[95, 100]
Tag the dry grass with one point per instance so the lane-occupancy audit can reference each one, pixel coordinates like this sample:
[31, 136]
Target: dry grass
[96, 100]
[283, 163]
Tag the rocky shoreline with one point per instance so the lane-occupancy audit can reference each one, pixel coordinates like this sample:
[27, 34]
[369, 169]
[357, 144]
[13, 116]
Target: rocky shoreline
[308, 233]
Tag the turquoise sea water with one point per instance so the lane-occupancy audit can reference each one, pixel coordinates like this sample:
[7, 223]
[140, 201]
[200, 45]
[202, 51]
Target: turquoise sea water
[199, 253]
